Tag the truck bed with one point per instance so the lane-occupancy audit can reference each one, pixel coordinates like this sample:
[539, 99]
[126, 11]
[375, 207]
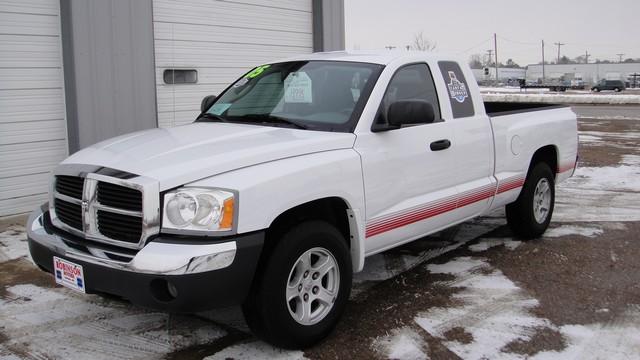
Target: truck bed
[495, 108]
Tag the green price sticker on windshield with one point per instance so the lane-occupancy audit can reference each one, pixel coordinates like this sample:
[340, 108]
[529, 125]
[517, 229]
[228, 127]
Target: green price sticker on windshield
[257, 71]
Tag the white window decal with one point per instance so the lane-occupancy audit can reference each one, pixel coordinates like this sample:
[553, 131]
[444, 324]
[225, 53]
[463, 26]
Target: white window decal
[457, 89]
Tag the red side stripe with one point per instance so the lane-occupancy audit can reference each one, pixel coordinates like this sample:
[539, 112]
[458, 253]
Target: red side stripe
[438, 207]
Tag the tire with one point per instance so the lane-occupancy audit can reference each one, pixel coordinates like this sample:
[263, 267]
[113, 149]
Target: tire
[616, 89]
[526, 216]
[267, 311]
[596, 89]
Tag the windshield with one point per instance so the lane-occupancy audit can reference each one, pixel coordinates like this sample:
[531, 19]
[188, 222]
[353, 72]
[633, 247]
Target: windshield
[316, 95]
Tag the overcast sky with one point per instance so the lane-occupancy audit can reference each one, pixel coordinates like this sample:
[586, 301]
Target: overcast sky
[464, 27]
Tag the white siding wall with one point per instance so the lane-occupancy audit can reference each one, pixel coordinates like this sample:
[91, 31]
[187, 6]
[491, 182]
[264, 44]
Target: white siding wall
[33, 136]
[221, 40]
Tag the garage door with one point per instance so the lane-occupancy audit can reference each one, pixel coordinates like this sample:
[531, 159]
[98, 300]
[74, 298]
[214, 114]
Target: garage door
[32, 115]
[220, 40]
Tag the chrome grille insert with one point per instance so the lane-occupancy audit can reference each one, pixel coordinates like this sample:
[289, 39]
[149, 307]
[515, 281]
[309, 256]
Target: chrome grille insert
[110, 210]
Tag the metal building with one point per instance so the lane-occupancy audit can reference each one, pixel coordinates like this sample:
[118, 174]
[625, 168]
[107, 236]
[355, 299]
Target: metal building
[589, 74]
[74, 72]
[505, 75]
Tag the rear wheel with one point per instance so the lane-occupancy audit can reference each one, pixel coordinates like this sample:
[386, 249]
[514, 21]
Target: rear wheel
[616, 89]
[596, 89]
[303, 288]
[530, 215]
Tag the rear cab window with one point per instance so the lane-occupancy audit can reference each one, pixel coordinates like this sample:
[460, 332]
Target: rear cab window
[457, 89]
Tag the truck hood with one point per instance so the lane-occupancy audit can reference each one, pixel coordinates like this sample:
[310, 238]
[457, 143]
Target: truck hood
[184, 154]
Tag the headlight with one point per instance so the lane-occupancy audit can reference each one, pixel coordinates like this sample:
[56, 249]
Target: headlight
[198, 209]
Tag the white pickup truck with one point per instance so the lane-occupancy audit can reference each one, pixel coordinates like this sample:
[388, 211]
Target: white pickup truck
[288, 180]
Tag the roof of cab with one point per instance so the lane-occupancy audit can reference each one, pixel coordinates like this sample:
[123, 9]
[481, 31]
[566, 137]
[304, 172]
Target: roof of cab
[382, 57]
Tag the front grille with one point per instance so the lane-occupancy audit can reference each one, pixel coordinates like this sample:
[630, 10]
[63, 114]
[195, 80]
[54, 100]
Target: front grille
[70, 186]
[69, 213]
[120, 197]
[106, 206]
[119, 227]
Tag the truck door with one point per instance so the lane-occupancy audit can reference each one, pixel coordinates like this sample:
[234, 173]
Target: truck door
[474, 147]
[409, 181]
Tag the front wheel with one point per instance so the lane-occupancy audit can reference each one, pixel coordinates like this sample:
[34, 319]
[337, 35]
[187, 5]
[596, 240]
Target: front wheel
[303, 288]
[530, 215]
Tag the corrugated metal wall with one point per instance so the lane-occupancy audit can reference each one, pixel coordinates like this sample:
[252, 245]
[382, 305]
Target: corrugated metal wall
[109, 69]
[33, 137]
[221, 40]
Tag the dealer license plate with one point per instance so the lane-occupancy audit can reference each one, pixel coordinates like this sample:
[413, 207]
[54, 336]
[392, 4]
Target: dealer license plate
[68, 274]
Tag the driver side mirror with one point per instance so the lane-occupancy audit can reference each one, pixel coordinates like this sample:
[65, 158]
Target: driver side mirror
[409, 112]
[207, 102]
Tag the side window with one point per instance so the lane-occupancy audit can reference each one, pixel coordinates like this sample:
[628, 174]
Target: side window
[412, 82]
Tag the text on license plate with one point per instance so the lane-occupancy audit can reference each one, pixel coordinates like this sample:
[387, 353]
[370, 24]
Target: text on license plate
[68, 274]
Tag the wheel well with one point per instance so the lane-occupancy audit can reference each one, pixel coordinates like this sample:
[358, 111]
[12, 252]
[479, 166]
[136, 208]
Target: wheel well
[332, 210]
[547, 154]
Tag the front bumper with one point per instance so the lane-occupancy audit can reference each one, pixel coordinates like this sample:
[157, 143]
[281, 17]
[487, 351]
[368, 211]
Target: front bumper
[176, 274]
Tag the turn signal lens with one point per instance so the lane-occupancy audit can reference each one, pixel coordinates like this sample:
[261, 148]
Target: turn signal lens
[227, 214]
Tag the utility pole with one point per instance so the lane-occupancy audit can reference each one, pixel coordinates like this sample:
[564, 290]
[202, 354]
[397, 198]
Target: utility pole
[542, 60]
[620, 56]
[495, 48]
[558, 44]
[586, 57]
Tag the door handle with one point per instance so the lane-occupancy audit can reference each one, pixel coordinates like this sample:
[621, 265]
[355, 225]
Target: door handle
[440, 145]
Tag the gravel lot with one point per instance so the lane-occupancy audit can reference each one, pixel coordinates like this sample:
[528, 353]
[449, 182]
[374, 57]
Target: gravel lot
[470, 292]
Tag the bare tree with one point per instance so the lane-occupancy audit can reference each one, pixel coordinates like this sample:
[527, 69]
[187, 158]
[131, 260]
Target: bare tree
[421, 43]
[475, 61]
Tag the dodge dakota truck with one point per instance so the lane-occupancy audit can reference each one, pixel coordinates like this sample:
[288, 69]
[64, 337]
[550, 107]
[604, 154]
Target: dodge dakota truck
[289, 179]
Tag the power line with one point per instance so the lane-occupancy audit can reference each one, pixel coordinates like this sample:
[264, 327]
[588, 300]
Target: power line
[518, 42]
[474, 46]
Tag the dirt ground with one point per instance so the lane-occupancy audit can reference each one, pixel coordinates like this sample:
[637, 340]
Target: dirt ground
[469, 292]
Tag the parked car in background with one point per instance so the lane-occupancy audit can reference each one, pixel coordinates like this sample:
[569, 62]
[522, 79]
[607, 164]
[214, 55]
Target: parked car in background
[615, 85]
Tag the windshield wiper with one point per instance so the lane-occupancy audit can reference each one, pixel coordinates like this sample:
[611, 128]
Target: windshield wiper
[271, 119]
[209, 116]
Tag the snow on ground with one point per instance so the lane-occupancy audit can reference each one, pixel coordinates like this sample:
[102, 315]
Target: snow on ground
[612, 118]
[403, 343]
[594, 139]
[255, 350]
[487, 243]
[610, 193]
[493, 310]
[620, 340]
[565, 230]
[13, 243]
[560, 98]
[383, 266]
[510, 89]
[56, 323]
